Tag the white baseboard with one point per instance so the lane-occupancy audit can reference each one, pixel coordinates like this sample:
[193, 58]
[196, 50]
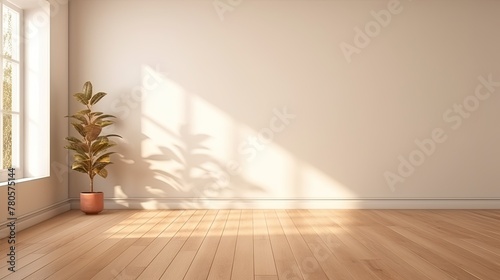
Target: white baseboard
[35, 217]
[284, 203]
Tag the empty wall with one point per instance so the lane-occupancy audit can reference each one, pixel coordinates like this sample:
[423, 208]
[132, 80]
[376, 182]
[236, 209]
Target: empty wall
[294, 103]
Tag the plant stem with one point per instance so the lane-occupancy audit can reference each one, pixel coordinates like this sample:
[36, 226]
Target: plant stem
[89, 144]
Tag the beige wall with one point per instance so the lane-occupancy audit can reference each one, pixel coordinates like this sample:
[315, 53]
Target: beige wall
[201, 90]
[42, 198]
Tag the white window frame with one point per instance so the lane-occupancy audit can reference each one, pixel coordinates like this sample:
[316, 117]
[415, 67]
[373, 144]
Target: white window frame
[19, 171]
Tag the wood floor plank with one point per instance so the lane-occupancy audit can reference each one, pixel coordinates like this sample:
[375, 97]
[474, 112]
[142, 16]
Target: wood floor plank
[480, 252]
[122, 240]
[169, 252]
[471, 226]
[222, 265]
[106, 241]
[482, 269]
[350, 252]
[268, 277]
[413, 259]
[344, 221]
[286, 264]
[262, 245]
[200, 267]
[144, 234]
[424, 252]
[166, 230]
[79, 231]
[425, 229]
[263, 253]
[305, 223]
[243, 255]
[41, 231]
[405, 266]
[119, 263]
[493, 248]
[64, 254]
[308, 264]
[388, 264]
[180, 265]
[26, 247]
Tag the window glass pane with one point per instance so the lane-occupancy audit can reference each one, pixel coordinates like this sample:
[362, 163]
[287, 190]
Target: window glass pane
[11, 33]
[7, 87]
[10, 140]
[15, 82]
[11, 91]
[10, 105]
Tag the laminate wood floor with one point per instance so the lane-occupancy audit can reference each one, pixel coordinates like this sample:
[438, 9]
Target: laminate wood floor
[260, 245]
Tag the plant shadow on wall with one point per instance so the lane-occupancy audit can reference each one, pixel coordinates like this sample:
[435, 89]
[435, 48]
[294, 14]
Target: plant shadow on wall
[184, 170]
[184, 151]
[190, 161]
[192, 169]
[166, 159]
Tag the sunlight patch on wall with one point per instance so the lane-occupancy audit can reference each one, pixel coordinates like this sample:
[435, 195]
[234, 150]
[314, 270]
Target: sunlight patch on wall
[195, 150]
[319, 185]
[118, 193]
[206, 118]
[273, 169]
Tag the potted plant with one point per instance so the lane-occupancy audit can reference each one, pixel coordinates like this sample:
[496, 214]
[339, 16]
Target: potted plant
[91, 149]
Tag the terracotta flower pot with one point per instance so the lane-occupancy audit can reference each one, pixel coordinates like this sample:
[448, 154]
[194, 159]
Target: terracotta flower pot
[91, 203]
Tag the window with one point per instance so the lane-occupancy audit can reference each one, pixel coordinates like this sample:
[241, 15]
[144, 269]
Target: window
[11, 103]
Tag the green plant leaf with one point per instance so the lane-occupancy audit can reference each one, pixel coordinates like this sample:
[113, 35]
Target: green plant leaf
[102, 117]
[101, 148]
[92, 131]
[87, 91]
[81, 118]
[97, 97]
[93, 114]
[98, 166]
[79, 157]
[111, 135]
[103, 123]
[103, 173]
[90, 153]
[105, 158]
[80, 148]
[83, 112]
[79, 170]
[101, 139]
[84, 165]
[77, 166]
[98, 142]
[80, 97]
[73, 139]
[101, 144]
[79, 128]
